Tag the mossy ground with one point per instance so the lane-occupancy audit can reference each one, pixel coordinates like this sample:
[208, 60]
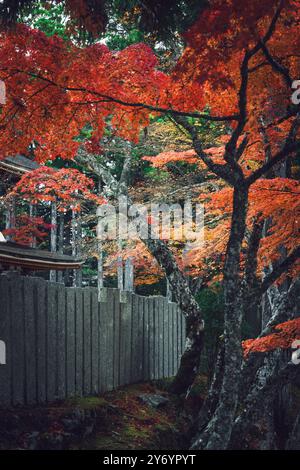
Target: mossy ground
[135, 425]
[114, 420]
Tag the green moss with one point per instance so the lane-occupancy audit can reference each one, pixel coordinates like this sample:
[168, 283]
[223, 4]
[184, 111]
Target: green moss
[135, 433]
[163, 384]
[86, 402]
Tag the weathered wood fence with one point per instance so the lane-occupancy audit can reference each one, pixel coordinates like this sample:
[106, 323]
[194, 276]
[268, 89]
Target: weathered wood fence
[61, 341]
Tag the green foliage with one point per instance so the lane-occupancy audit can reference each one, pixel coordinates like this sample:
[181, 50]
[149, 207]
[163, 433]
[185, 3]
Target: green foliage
[212, 305]
[49, 20]
[119, 38]
[209, 131]
[155, 174]
[52, 19]
[162, 19]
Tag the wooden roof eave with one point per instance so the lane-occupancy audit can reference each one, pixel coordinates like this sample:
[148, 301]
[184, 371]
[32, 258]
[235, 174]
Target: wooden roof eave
[18, 165]
[31, 258]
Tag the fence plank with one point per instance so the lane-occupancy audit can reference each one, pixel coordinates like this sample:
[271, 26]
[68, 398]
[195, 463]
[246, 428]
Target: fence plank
[17, 340]
[51, 331]
[70, 342]
[160, 334]
[125, 338]
[102, 346]
[95, 341]
[5, 328]
[79, 367]
[146, 368]
[30, 341]
[116, 338]
[41, 339]
[109, 340]
[166, 337]
[183, 334]
[179, 341]
[140, 338]
[135, 352]
[87, 359]
[151, 337]
[61, 353]
[171, 361]
[175, 338]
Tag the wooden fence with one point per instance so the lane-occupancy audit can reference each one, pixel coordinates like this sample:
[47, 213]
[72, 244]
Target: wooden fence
[61, 341]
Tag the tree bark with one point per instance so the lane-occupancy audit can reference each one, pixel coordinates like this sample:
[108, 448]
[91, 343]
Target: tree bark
[211, 402]
[217, 434]
[190, 360]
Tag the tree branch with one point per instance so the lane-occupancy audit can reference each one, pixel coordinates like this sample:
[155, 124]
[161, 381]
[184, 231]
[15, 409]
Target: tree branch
[110, 99]
[277, 66]
[280, 269]
[287, 150]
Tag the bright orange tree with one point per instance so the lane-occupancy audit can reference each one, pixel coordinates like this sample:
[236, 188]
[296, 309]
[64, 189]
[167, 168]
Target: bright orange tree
[28, 229]
[68, 187]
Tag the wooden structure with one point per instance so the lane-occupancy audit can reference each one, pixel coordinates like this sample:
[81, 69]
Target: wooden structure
[18, 165]
[33, 259]
[13, 255]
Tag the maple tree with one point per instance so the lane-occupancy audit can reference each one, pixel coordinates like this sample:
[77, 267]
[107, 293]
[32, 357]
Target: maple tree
[28, 230]
[68, 187]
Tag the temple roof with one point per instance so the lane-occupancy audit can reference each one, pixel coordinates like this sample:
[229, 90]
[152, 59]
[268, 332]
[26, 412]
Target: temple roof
[18, 164]
[13, 254]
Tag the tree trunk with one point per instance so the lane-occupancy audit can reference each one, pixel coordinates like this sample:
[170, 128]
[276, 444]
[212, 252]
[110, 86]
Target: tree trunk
[217, 434]
[32, 213]
[263, 376]
[254, 425]
[211, 402]
[190, 359]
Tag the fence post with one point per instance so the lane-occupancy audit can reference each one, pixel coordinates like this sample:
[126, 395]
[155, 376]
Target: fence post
[10, 217]
[120, 267]
[61, 242]
[99, 268]
[128, 275]
[53, 236]
[168, 291]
